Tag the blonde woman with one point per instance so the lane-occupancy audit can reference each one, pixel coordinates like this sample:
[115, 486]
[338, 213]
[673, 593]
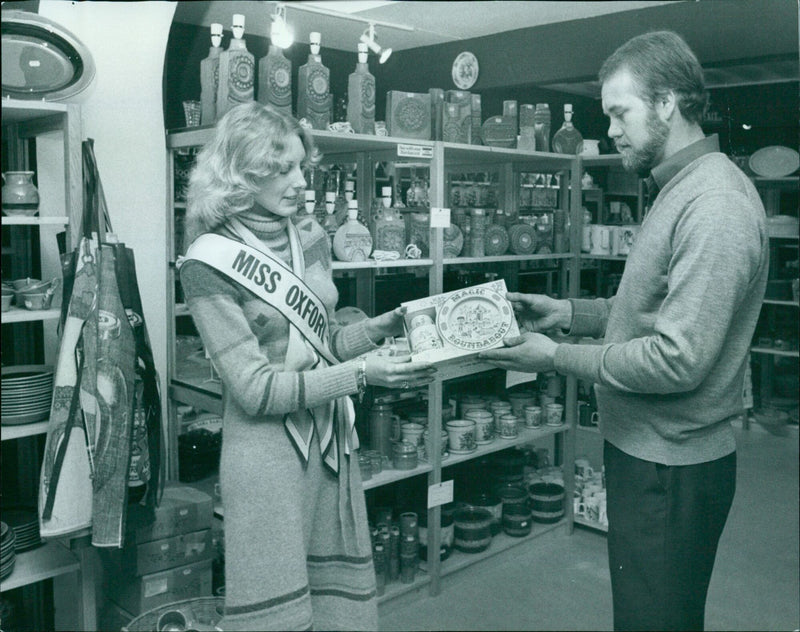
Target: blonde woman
[257, 280]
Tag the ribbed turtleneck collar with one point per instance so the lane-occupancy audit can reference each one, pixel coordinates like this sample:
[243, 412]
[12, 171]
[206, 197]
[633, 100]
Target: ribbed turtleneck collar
[269, 228]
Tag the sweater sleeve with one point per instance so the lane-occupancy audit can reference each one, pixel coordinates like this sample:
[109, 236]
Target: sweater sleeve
[252, 370]
[589, 316]
[716, 248]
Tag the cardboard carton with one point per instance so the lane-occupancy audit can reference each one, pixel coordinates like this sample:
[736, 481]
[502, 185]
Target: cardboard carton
[159, 555]
[183, 509]
[139, 594]
[450, 329]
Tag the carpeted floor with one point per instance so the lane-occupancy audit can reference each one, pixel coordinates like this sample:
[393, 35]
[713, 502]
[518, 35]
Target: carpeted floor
[561, 581]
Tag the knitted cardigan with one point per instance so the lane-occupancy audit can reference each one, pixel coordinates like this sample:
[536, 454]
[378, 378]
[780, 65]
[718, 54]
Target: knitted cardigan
[298, 553]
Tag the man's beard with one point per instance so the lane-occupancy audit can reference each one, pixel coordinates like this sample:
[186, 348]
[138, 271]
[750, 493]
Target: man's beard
[643, 160]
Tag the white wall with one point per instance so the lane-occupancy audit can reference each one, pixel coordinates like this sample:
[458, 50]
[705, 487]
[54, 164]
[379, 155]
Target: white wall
[122, 112]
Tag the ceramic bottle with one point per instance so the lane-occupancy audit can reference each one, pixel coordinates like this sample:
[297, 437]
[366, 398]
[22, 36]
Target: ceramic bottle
[236, 71]
[568, 140]
[329, 223]
[209, 77]
[390, 230]
[361, 95]
[352, 241]
[314, 99]
[541, 126]
[275, 80]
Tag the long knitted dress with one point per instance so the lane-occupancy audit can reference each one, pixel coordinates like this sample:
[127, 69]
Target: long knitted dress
[297, 545]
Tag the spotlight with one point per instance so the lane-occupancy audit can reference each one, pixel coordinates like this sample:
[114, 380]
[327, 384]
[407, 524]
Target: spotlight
[368, 38]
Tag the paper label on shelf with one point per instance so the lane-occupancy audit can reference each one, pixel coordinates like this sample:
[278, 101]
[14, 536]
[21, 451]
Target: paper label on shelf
[517, 377]
[155, 587]
[440, 494]
[440, 217]
[405, 150]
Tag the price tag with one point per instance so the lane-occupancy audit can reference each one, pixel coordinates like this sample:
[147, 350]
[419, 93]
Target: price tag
[440, 494]
[405, 150]
[440, 217]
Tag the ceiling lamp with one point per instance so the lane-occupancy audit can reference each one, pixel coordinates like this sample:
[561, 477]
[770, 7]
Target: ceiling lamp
[368, 38]
[280, 34]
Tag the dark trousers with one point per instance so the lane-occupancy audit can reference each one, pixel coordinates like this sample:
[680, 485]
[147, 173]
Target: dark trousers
[664, 523]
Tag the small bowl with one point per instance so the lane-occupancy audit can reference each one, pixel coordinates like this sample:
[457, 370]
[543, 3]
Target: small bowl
[19, 284]
[36, 301]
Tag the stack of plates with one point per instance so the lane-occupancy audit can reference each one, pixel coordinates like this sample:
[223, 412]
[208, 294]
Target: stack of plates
[7, 550]
[26, 393]
[25, 525]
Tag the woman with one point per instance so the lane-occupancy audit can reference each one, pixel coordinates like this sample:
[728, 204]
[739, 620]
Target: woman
[258, 283]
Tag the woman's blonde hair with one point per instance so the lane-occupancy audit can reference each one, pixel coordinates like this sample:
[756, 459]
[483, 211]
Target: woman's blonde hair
[249, 143]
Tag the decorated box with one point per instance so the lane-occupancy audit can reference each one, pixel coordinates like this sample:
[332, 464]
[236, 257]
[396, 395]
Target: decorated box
[450, 329]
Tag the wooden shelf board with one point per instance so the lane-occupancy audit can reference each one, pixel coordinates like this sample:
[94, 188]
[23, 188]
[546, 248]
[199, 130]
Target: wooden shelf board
[777, 352]
[396, 588]
[373, 265]
[24, 430]
[50, 560]
[504, 258]
[389, 476]
[20, 315]
[17, 110]
[772, 301]
[501, 542]
[586, 255]
[20, 220]
[590, 524]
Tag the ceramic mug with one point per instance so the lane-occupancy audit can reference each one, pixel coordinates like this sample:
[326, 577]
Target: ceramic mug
[583, 468]
[508, 426]
[624, 238]
[461, 435]
[586, 238]
[484, 425]
[533, 416]
[601, 239]
[412, 433]
[555, 414]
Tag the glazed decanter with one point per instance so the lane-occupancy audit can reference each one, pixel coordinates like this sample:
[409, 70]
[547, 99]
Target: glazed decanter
[314, 99]
[236, 71]
[541, 127]
[361, 95]
[209, 77]
[390, 230]
[352, 241]
[567, 140]
[275, 80]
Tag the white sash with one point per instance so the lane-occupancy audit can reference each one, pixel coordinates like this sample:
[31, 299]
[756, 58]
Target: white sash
[258, 270]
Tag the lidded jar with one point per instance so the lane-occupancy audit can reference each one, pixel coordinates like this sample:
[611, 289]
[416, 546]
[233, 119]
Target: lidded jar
[20, 196]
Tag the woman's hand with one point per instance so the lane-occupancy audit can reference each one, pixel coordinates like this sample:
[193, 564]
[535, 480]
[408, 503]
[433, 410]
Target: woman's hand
[385, 325]
[539, 312]
[398, 372]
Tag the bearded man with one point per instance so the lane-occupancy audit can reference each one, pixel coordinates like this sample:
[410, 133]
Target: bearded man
[669, 375]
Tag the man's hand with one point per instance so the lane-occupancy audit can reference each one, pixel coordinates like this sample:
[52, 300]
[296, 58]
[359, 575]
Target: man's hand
[539, 312]
[529, 353]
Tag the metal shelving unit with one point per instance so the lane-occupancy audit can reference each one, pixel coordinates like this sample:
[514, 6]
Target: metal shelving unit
[440, 158]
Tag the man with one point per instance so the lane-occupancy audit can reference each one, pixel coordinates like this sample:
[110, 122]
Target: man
[669, 376]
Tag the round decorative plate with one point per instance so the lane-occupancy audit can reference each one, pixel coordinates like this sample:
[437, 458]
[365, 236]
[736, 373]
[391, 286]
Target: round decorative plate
[465, 70]
[474, 320]
[453, 241]
[774, 162]
[495, 241]
[522, 238]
